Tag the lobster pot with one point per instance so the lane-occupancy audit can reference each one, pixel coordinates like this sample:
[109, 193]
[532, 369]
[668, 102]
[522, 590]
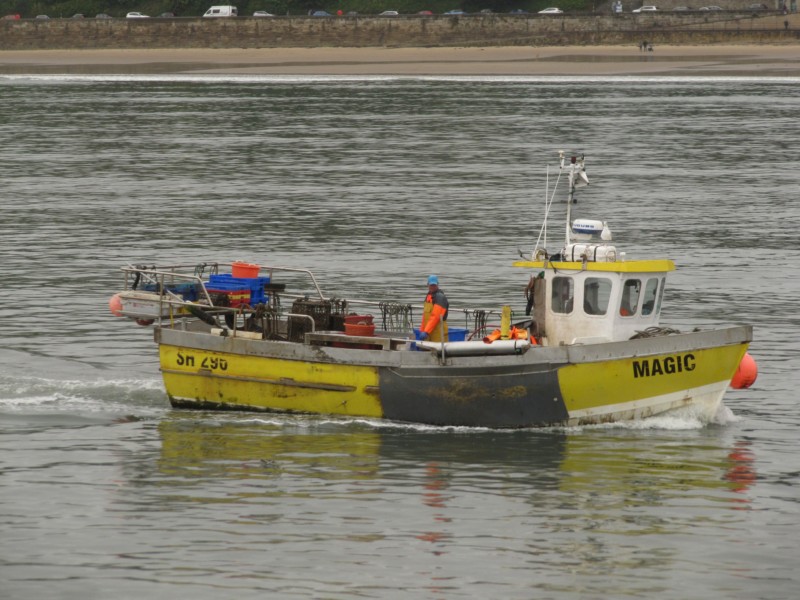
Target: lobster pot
[269, 323]
[318, 310]
[338, 310]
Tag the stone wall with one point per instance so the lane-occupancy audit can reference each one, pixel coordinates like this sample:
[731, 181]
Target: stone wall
[472, 30]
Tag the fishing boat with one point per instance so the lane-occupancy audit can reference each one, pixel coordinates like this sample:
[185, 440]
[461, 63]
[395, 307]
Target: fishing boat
[588, 349]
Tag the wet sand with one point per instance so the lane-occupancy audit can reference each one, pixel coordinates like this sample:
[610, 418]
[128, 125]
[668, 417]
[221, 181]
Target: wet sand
[733, 61]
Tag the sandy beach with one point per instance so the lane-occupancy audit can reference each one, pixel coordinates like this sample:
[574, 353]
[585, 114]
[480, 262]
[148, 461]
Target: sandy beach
[741, 61]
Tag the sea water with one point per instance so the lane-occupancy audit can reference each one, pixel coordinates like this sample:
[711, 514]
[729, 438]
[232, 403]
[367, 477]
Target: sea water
[374, 183]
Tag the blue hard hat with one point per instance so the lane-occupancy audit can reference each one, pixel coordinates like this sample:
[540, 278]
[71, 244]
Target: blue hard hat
[433, 280]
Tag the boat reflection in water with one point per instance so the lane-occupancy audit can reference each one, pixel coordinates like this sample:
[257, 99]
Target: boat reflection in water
[551, 469]
[254, 449]
[295, 490]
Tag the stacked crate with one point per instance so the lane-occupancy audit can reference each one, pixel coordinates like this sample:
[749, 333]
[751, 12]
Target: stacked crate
[239, 290]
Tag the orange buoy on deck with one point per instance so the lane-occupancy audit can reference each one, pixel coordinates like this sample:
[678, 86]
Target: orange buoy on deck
[746, 373]
[514, 334]
[518, 334]
[495, 335]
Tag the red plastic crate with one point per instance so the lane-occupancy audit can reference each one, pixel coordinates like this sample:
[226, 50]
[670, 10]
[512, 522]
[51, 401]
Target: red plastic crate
[236, 298]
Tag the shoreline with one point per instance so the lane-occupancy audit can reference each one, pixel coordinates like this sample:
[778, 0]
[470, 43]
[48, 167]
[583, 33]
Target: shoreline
[700, 61]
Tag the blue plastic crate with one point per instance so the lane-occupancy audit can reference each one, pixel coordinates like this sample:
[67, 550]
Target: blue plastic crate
[454, 334]
[187, 291]
[254, 284]
[457, 334]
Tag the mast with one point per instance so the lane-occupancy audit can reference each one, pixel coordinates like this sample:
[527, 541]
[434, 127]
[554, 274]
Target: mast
[577, 178]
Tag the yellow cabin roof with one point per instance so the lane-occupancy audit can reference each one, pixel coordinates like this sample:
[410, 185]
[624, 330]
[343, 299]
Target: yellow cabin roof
[628, 266]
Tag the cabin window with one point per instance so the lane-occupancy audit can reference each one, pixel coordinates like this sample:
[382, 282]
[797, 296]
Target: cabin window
[650, 293]
[661, 294]
[563, 294]
[596, 294]
[630, 297]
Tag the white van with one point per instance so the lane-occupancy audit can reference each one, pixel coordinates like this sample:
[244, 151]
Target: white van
[222, 11]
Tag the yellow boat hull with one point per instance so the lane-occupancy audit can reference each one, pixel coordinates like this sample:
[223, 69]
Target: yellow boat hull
[263, 383]
[541, 387]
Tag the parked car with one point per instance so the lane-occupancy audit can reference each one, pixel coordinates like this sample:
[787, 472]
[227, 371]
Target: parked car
[642, 9]
[455, 11]
[136, 15]
[551, 11]
[389, 13]
[321, 13]
[262, 13]
[42, 17]
[518, 11]
[487, 11]
[14, 17]
[166, 15]
[102, 16]
[76, 16]
[757, 7]
[711, 8]
[681, 8]
[425, 13]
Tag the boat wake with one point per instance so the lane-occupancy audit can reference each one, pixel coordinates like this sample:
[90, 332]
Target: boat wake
[685, 418]
[33, 395]
[678, 420]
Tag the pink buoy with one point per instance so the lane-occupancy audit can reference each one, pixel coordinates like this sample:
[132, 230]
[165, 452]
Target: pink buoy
[115, 305]
[746, 373]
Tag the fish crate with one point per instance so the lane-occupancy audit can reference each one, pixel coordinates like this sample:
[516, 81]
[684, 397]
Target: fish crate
[358, 319]
[360, 329]
[228, 294]
[318, 310]
[188, 291]
[256, 286]
[245, 270]
[457, 334]
[454, 334]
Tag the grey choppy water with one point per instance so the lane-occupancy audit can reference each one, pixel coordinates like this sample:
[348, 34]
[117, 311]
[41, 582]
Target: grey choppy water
[374, 183]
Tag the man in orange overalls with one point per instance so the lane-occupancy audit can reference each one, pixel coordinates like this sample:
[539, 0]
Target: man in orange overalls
[434, 313]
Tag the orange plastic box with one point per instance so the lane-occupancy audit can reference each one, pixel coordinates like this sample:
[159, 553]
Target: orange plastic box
[245, 270]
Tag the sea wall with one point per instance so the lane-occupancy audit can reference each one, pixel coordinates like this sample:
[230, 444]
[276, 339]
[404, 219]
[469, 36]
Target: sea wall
[471, 30]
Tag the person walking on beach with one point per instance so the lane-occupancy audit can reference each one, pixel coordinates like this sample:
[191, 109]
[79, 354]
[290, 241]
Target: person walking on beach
[434, 313]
